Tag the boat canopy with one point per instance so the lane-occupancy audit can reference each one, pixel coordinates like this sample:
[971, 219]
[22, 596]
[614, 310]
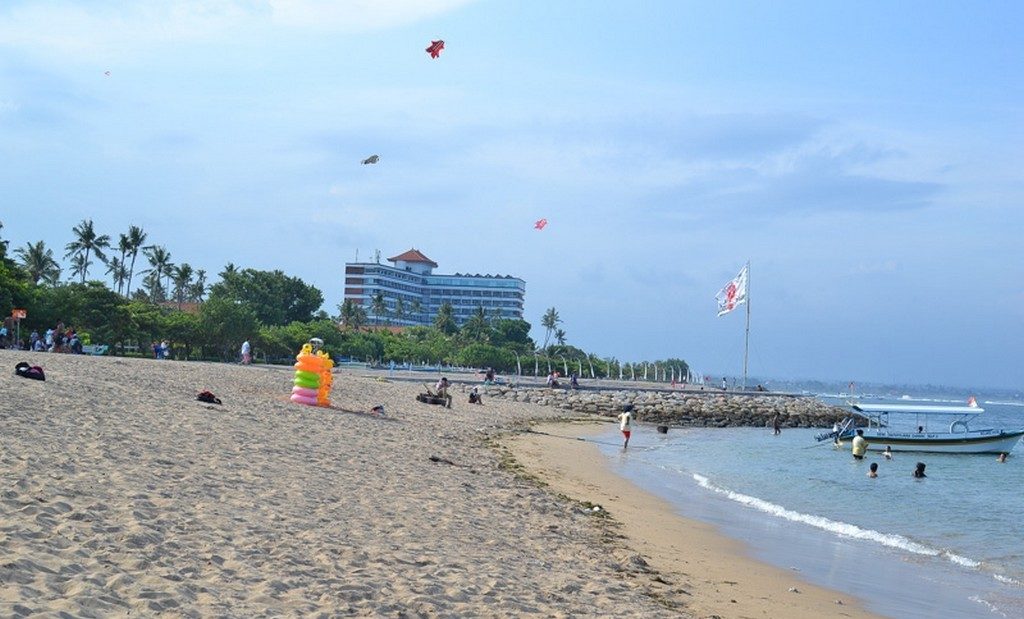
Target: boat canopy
[917, 409]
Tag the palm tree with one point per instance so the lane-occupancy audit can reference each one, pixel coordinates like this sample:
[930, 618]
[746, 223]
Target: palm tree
[136, 237]
[550, 322]
[476, 328]
[39, 262]
[124, 246]
[152, 283]
[79, 265]
[182, 282]
[198, 289]
[379, 307]
[416, 308]
[352, 314]
[118, 272]
[445, 319]
[358, 317]
[560, 336]
[3, 244]
[399, 309]
[160, 262]
[86, 242]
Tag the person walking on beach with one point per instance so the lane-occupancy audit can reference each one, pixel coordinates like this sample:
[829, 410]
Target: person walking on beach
[626, 424]
[246, 353]
[860, 445]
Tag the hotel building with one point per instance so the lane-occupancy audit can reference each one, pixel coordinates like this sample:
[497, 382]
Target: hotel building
[412, 280]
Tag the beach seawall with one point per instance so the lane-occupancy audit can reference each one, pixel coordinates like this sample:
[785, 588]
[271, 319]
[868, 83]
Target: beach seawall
[681, 408]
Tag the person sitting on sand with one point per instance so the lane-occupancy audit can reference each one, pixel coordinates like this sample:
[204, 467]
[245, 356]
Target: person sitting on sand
[860, 445]
[873, 470]
[626, 424]
[919, 471]
[474, 396]
[888, 452]
[442, 391]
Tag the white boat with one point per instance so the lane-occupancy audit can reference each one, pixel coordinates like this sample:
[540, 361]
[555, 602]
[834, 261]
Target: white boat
[912, 427]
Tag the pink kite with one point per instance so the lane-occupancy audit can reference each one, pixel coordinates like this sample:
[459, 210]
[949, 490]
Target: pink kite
[435, 48]
[540, 224]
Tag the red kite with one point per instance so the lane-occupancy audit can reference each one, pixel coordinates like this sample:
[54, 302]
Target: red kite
[435, 48]
[540, 224]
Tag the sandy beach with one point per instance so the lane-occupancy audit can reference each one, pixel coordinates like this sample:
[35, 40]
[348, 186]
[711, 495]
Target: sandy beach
[123, 495]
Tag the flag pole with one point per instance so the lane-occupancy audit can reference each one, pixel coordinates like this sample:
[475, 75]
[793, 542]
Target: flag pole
[746, 339]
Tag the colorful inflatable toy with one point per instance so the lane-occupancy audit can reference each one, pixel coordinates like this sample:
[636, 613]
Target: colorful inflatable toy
[312, 382]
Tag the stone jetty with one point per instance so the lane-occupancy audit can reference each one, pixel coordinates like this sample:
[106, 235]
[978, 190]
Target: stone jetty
[679, 407]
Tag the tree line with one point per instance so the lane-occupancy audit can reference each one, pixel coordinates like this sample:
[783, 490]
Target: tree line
[277, 313]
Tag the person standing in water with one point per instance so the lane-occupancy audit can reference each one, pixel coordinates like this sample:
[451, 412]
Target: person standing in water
[860, 445]
[626, 424]
[919, 471]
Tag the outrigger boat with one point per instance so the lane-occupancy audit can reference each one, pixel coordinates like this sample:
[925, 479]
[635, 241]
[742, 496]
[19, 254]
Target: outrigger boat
[909, 427]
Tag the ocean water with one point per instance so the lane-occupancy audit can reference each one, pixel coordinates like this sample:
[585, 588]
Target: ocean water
[951, 545]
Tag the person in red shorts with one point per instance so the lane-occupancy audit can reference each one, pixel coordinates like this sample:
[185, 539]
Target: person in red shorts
[626, 423]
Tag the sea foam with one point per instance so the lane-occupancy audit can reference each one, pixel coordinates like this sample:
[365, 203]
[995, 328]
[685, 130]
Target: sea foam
[840, 528]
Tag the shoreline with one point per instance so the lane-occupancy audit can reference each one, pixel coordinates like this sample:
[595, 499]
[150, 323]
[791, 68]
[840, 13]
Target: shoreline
[717, 572]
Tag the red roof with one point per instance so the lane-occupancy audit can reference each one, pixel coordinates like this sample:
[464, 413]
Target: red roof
[413, 255]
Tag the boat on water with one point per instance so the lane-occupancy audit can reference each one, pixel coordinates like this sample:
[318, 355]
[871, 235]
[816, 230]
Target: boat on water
[928, 428]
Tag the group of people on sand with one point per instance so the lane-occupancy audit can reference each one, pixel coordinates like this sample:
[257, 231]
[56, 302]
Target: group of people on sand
[442, 390]
[161, 350]
[58, 339]
[552, 381]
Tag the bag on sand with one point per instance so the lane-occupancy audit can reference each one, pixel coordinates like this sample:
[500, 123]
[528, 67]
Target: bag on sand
[206, 396]
[25, 370]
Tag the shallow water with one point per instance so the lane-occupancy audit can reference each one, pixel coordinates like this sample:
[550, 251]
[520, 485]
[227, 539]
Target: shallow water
[951, 543]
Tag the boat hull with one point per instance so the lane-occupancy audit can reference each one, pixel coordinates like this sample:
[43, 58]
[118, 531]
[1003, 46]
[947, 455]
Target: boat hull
[978, 442]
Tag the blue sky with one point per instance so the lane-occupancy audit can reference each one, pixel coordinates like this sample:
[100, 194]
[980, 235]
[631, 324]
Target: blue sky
[865, 157]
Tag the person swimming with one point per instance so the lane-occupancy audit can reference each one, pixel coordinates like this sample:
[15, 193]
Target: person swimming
[919, 471]
[873, 472]
[888, 452]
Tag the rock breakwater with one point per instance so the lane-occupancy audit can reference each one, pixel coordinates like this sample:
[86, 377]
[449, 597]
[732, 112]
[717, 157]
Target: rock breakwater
[680, 408]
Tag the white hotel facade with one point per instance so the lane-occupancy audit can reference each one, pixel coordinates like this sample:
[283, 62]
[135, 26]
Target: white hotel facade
[412, 280]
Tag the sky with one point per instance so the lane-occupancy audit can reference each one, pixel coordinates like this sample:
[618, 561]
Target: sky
[865, 158]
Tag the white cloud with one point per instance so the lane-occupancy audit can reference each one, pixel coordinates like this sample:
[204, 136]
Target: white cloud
[63, 28]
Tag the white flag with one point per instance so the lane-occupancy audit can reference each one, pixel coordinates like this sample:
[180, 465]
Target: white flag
[734, 293]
